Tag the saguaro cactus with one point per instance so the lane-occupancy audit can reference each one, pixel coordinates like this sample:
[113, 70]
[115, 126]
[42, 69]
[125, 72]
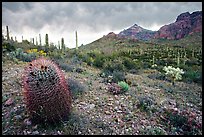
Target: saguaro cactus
[178, 59]
[7, 33]
[62, 44]
[36, 41]
[40, 40]
[76, 41]
[58, 44]
[33, 41]
[46, 92]
[15, 39]
[46, 41]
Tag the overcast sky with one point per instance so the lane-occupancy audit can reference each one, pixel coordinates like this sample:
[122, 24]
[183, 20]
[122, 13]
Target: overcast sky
[92, 20]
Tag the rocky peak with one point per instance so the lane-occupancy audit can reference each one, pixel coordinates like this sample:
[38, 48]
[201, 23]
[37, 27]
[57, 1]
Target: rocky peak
[185, 24]
[183, 16]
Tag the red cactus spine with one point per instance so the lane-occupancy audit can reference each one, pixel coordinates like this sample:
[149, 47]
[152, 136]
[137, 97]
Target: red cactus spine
[45, 90]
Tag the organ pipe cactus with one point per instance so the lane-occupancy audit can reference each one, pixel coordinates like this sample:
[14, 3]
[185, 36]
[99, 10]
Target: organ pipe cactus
[46, 93]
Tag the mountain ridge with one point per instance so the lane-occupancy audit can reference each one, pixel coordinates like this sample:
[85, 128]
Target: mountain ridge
[185, 24]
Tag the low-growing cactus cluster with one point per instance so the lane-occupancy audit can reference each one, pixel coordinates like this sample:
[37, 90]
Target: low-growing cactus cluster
[45, 90]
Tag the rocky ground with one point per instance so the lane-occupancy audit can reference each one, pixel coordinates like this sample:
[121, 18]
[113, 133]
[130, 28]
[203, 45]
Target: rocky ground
[97, 111]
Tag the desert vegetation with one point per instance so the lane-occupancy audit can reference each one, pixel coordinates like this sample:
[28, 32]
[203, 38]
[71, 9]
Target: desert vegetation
[117, 86]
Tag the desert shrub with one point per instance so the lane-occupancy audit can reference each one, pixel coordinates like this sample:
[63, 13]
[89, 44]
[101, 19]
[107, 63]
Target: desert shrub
[8, 46]
[159, 76]
[56, 55]
[99, 61]
[146, 103]
[114, 65]
[149, 130]
[193, 76]
[129, 63]
[66, 67]
[184, 119]
[75, 60]
[86, 58]
[133, 71]
[118, 76]
[79, 70]
[76, 88]
[19, 54]
[124, 86]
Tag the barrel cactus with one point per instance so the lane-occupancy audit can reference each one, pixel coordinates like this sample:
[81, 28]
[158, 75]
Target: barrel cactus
[46, 93]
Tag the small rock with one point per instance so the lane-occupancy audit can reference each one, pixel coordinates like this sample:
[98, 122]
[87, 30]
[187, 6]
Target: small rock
[107, 112]
[35, 133]
[18, 117]
[9, 102]
[27, 122]
[119, 111]
[109, 104]
[91, 106]
[59, 133]
[35, 127]
[82, 103]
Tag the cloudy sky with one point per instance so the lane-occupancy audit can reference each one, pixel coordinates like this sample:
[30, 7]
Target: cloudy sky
[92, 20]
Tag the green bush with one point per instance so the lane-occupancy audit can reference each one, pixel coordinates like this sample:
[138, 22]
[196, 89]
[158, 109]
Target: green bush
[193, 76]
[118, 76]
[114, 65]
[99, 61]
[129, 63]
[8, 46]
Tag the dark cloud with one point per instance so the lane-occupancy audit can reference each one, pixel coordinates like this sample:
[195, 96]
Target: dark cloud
[91, 16]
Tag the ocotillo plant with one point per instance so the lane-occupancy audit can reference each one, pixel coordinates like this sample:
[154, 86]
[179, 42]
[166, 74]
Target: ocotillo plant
[76, 41]
[46, 41]
[46, 93]
[7, 33]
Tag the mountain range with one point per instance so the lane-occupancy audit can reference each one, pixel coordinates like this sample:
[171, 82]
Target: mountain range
[185, 24]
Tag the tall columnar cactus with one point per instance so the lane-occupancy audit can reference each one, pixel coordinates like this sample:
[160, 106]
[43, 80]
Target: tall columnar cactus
[153, 60]
[46, 93]
[178, 59]
[185, 58]
[40, 40]
[62, 44]
[33, 41]
[36, 41]
[59, 45]
[7, 33]
[22, 38]
[46, 41]
[193, 53]
[76, 41]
